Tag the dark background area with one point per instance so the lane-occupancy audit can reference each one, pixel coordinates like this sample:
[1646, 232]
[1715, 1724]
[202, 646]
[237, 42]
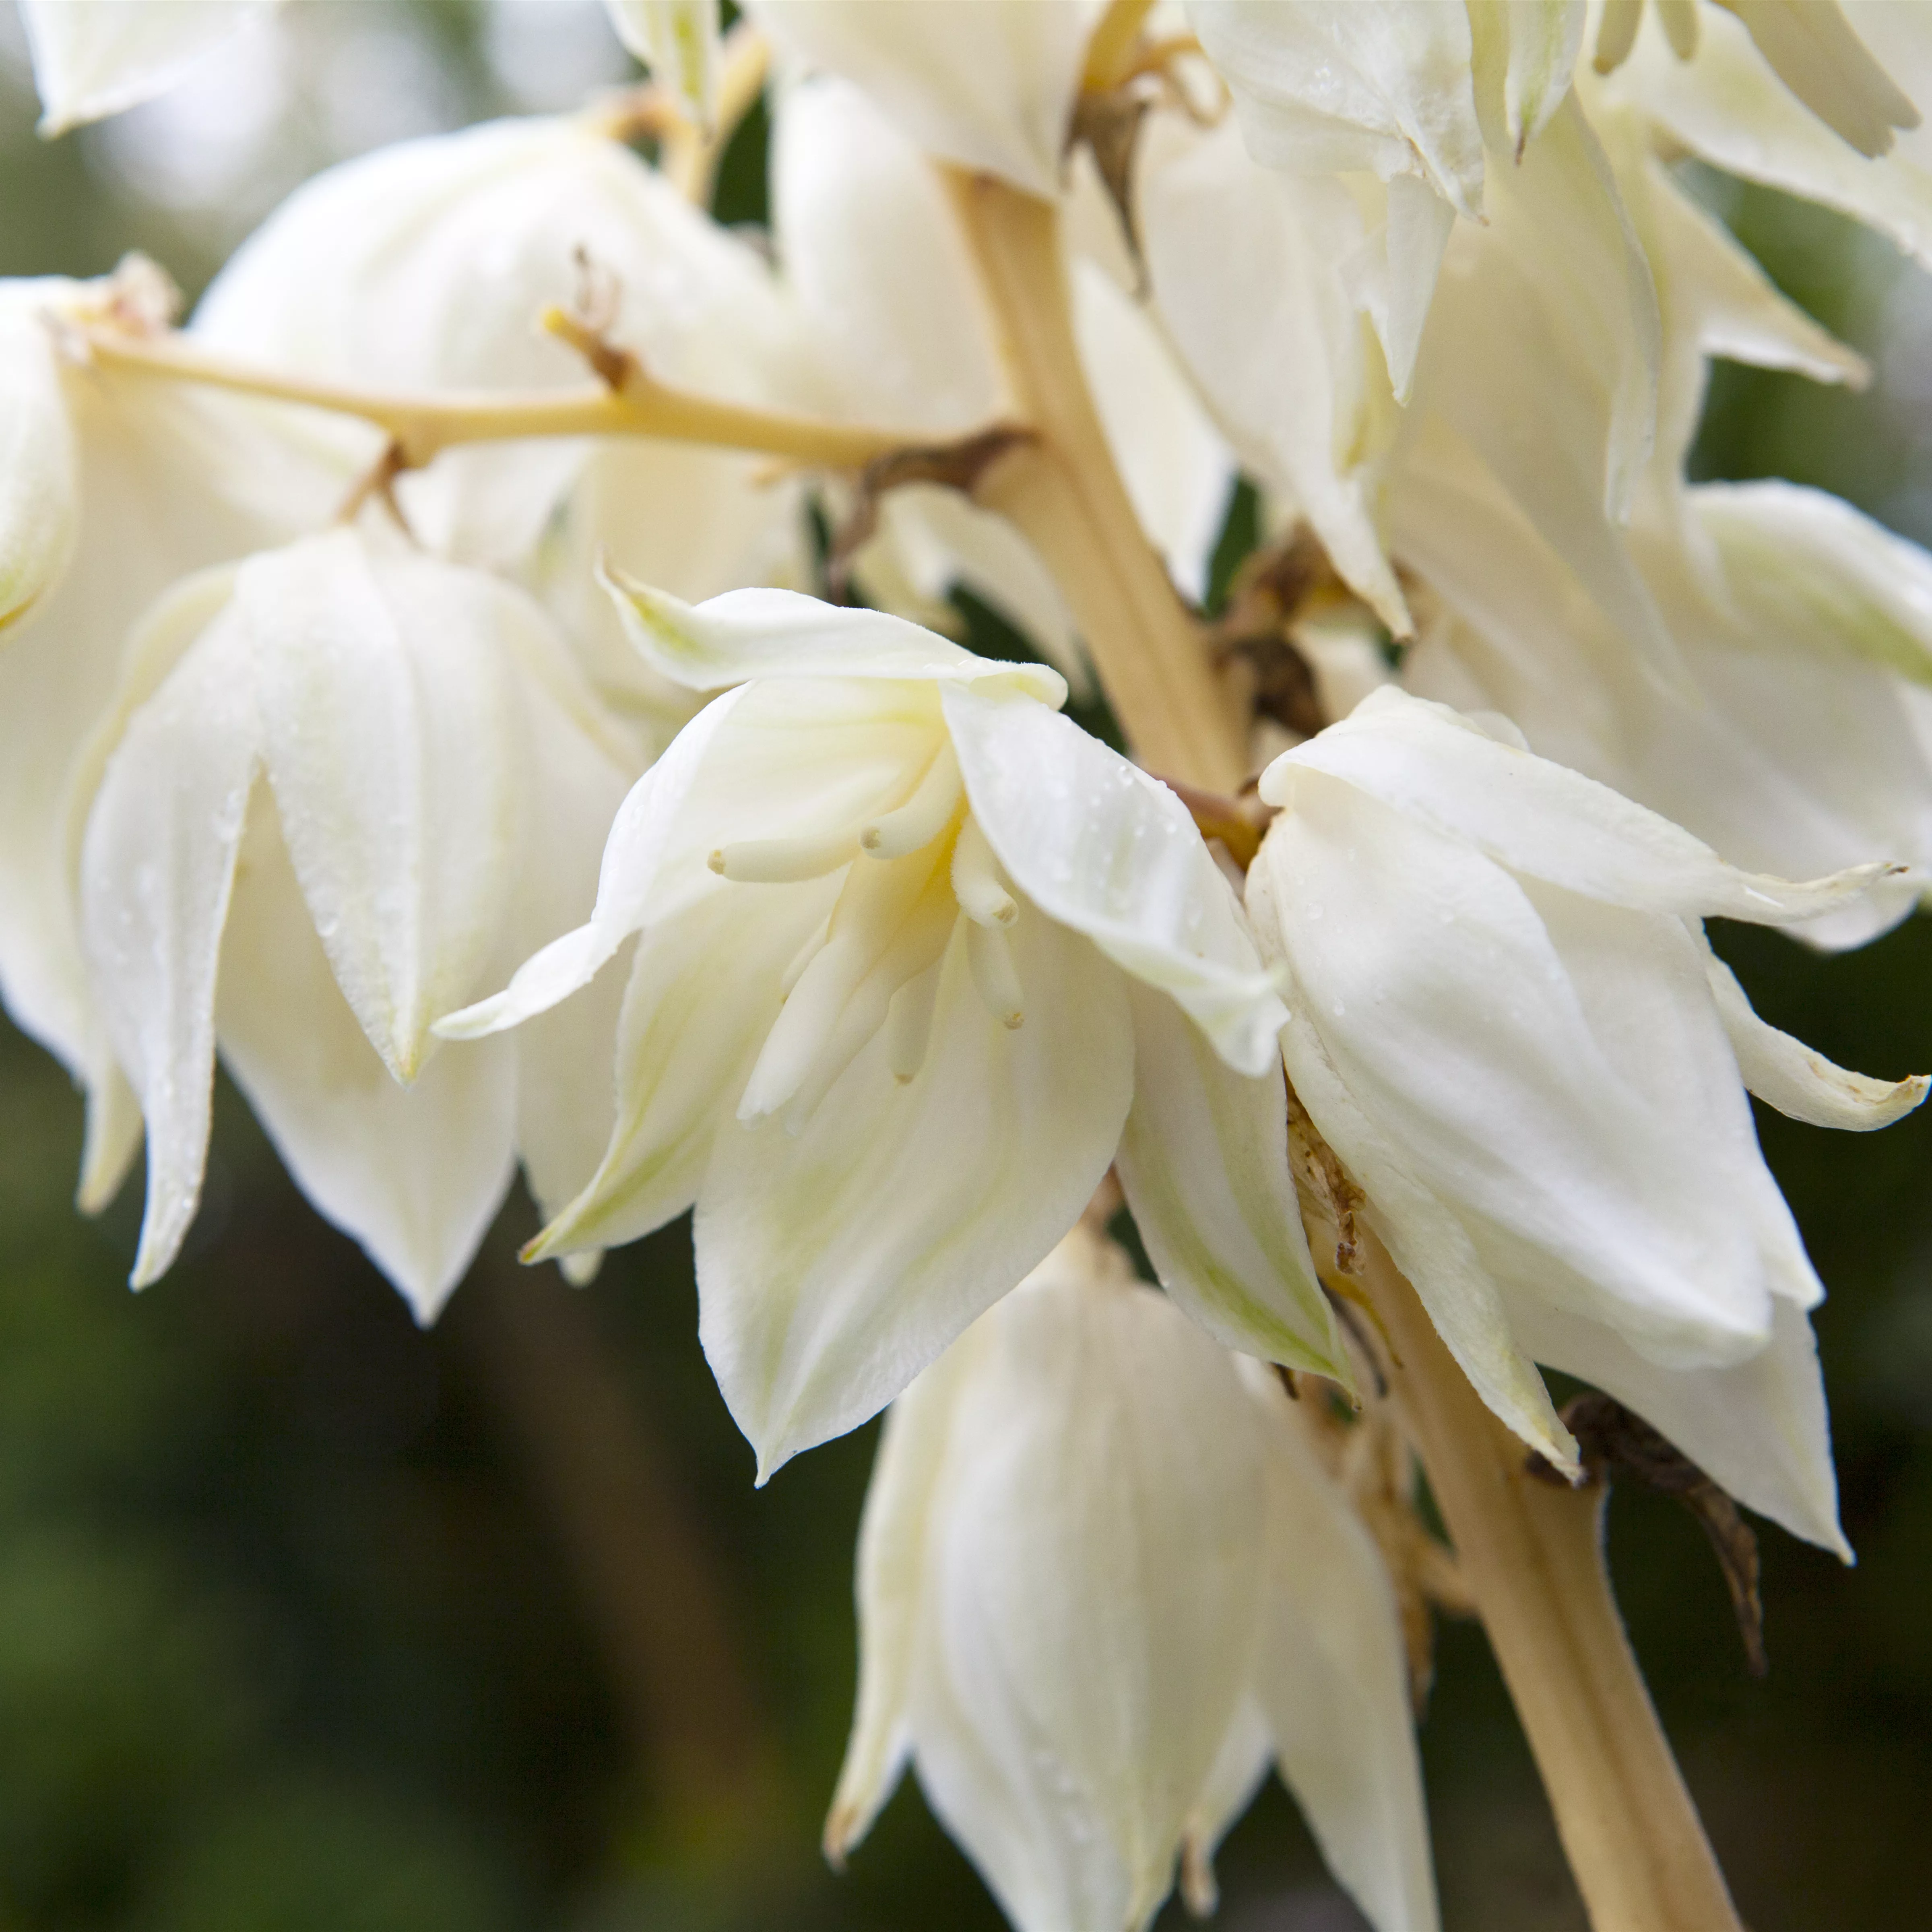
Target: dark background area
[312, 1622]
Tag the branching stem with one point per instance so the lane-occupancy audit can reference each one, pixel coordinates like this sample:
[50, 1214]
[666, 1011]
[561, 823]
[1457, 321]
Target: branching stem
[421, 426]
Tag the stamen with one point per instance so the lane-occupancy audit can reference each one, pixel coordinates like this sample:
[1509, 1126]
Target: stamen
[976, 879]
[862, 934]
[923, 818]
[783, 861]
[909, 1024]
[991, 960]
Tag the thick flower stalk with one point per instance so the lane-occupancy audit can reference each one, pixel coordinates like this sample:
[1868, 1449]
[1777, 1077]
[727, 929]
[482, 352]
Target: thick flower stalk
[917, 961]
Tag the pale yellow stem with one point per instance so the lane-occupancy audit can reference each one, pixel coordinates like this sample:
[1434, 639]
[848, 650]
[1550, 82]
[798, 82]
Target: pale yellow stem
[420, 426]
[1532, 1550]
[1110, 50]
[1063, 491]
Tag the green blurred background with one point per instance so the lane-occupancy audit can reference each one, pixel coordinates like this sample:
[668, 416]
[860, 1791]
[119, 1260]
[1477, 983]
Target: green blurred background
[312, 1622]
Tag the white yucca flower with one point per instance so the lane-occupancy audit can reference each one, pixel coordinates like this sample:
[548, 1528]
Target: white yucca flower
[918, 959]
[343, 784]
[1104, 1582]
[1505, 1018]
[428, 266]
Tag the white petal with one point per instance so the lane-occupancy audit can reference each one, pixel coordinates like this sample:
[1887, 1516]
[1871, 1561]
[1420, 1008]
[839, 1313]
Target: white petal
[1730, 109]
[894, 1537]
[1247, 1755]
[878, 262]
[1810, 572]
[157, 870]
[394, 746]
[1332, 1680]
[1798, 1081]
[748, 634]
[94, 57]
[39, 505]
[1204, 1161]
[1814, 52]
[989, 84]
[578, 779]
[1093, 1593]
[1760, 1429]
[1324, 88]
[1101, 847]
[1526, 52]
[1542, 353]
[1550, 1062]
[652, 834]
[1427, 1241]
[426, 265]
[1177, 469]
[834, 1265]
[703, 993]
[416, 1174]
[1243, 267]
[1540, 818]
[677, 39]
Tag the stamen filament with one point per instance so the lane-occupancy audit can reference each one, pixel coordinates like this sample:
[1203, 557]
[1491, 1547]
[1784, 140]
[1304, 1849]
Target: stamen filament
[783, 861]
[909, 1024]
[976, 879]
[991, 960]
[923, 818]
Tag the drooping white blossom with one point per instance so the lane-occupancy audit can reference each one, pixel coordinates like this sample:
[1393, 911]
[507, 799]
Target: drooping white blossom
[1506, 1021]
[428, 266]
[343, 783]
[917, 959]
[143, 481]
[1103, 1584]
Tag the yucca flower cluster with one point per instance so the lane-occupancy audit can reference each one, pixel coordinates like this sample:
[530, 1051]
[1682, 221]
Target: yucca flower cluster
[420, 690]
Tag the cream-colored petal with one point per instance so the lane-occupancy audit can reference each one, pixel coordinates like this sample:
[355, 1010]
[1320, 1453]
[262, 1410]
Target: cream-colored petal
[1540, 818]
[416, 1174]
[157, 868]
[1097, 845]
[1243, 264]
[677, 39]
[1326, 88]
[834, 1265]
[1092, 1595]
[39, 490]
[1758, 1430]
[93, 57]
[989, 84]
[1332, 1679]
[1204, 1162]
[906, 1491]
[748, 634]
[1525, 53]
[1423, 1236]
[396, 751]
[1797, 1080]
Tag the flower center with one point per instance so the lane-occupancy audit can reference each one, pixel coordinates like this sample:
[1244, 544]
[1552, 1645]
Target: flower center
[912, 872]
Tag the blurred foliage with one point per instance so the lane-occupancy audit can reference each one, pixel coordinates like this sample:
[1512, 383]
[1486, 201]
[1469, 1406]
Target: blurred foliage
[300, 1631]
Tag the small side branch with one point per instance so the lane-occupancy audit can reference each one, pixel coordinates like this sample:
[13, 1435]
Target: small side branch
[421, 426]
